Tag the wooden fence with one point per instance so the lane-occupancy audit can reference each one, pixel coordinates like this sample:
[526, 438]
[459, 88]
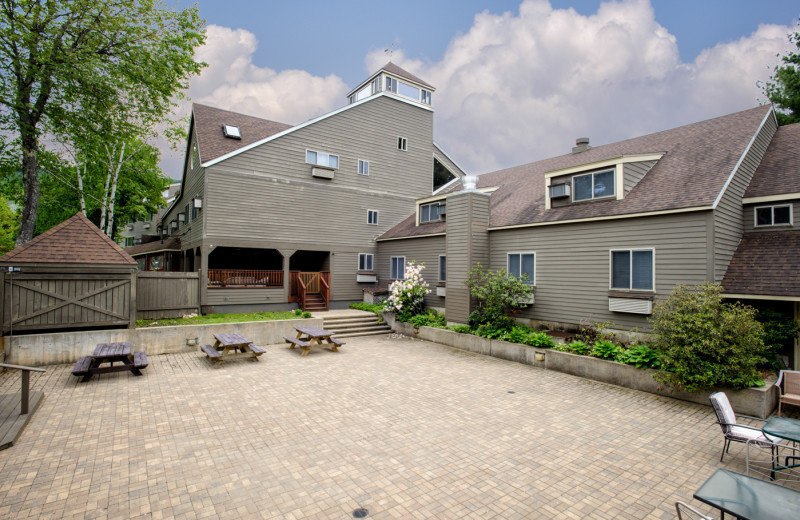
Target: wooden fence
[33, 301]
[166, 295]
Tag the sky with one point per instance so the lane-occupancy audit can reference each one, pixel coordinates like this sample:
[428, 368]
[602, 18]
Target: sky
[516, 81]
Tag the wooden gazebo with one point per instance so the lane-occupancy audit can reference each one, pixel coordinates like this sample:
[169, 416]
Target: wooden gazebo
[73, 276]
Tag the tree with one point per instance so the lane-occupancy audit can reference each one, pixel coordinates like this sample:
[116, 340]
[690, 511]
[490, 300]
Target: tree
[9, 221]
[784, 88]
[497, 293]
[67, 64]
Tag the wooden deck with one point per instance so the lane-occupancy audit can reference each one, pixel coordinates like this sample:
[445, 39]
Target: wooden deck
[12, 423]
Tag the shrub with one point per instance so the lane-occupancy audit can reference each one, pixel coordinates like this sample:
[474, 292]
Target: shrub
[298, 312]
[778, 330]
[640, 356]
[407, 296]
[605, 349]
[429, 319]
[377, 308]
[462, 329]
[306, 314]
[703, 342]
[517, 334]
[540, 339]
[578, 347]
[562, 347]
[491, 331]
[497, 294]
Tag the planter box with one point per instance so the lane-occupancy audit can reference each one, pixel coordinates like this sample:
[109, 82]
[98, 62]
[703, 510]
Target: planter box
[758, 402]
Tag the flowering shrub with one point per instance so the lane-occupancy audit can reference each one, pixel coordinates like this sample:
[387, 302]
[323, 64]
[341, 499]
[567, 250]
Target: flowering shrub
[407, 296]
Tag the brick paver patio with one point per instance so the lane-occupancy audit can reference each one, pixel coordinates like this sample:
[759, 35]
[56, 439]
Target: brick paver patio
[403, 428]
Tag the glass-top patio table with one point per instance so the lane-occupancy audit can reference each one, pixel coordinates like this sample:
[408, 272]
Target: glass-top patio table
[748, 498]
[784, 428]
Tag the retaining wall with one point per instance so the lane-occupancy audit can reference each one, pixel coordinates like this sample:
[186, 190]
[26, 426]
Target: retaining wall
[758, 402]
[67, 347]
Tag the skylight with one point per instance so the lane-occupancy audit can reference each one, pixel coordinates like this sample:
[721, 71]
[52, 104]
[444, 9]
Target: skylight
[231, 131]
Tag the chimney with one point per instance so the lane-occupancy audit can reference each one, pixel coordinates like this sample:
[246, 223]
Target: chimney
[581, 145]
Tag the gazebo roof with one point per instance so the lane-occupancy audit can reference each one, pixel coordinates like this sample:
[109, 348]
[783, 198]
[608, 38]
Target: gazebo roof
[74, 241]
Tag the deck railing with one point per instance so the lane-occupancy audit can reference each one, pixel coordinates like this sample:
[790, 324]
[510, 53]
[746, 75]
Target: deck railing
[236, 278]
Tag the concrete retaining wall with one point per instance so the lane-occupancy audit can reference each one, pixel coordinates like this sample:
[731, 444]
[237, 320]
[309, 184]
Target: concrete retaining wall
[758, 402]
[67, 347]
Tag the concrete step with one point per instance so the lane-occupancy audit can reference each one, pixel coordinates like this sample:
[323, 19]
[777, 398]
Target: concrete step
[357, 334]
[346, 321]
[357, 328]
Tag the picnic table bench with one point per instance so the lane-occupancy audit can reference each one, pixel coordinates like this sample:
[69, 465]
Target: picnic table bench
[308, 337]
[117, 352]
[231, 344]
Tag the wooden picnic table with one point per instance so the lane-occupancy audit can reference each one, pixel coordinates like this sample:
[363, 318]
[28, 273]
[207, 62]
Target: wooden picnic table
[118, 352]
[308, 337]
[231, 344]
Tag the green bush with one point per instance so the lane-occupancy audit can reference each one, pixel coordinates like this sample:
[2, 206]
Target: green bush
[562, 347]
[429, 319]
[640, 356]
[539, 339]
[703, 342]
[497, 294]
[578, 347]
[298, 312]
[462, 329]
[605, 349]
[517, 334]
[306, 314]
[377, 308]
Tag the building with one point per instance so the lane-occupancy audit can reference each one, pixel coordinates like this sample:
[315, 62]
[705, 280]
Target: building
[144, 231]
[605, 232]
[274, 215]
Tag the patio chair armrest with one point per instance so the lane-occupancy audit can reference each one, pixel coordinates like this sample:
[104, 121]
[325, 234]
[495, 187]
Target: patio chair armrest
[751, 417]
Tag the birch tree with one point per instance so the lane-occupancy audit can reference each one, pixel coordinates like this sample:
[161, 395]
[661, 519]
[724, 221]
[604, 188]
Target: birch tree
[65, 62]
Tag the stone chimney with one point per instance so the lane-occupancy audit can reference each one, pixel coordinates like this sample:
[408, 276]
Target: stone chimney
[581, 145]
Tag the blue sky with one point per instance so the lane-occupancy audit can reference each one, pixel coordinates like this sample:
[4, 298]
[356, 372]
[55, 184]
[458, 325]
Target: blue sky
[646, 65]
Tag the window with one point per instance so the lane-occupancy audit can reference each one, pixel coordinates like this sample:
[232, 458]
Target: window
[322, 159]
[364, 262]
[142, 263]
[633, 269]
[402, 144]
[522, 264]
[593, 185]
[372, 216]
[774, 215]
[398, 268]
[391, 84]
[425, 97]
[431, 212]
[186, 215]
[442, 268]
[363, 167]
[156, 263]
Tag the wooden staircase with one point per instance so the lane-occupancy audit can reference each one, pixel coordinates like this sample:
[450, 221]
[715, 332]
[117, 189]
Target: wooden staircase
[315, 302]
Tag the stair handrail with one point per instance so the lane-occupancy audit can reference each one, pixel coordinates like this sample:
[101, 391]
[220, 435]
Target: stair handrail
[326, 290]
[301, 294]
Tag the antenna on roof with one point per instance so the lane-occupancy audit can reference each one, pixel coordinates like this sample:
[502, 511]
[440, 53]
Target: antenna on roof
[390, 50]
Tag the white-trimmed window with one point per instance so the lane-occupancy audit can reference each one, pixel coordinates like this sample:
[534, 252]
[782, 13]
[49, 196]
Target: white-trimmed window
[779, 215]
[431, 212]
[442, 268]
[365, 262]
[633, 269]
[402, 143]
[391, 84]
[397, 269]
[523, 264]
[595, 185]
[363, 167]
[322, 159]
[372, 216]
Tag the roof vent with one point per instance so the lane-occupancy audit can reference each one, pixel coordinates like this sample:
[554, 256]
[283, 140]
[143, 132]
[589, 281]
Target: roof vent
[231, 131]
[469, 182]
[581, 145]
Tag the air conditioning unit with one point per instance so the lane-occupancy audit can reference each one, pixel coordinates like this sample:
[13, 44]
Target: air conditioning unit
[442, 210]
[559, 191]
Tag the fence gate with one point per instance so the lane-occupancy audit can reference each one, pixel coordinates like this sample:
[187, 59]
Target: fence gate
[42, 301]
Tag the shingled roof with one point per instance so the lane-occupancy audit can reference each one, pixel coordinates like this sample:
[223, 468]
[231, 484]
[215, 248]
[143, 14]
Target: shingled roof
[765, 264]
[698, 159]
[74, 241]
[212, 143]
[169, 244]
[778, 172]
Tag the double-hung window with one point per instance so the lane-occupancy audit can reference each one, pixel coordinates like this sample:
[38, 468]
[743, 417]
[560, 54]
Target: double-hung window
[442, 268]
[633, 269]
[593, 185]
[431, 212]
[774, 215]
[322, 159]
[363, 167]
[397, 270]
[365, 262]
[520, 264]
[372, 216]
[402, 143]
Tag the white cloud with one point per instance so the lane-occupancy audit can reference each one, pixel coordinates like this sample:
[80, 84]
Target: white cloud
[517, 88]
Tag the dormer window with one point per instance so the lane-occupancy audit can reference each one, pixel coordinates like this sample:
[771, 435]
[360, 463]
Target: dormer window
[595, 185]
[391, 84]
[231, 131]
[774, 215]
[432, 212]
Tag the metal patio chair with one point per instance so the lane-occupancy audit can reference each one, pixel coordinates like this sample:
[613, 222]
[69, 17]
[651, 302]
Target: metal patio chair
[790, 390]
[735, 432]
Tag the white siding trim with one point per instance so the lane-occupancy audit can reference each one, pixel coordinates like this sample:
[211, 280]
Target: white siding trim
[311, 122]
[741, 159]
[436, 145]
[762, 297]
[771, 198]
[611, 161]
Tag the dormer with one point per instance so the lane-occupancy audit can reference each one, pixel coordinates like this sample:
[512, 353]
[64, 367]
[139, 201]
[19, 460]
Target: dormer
[431, 209]
[607, 179]
[395, 81]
